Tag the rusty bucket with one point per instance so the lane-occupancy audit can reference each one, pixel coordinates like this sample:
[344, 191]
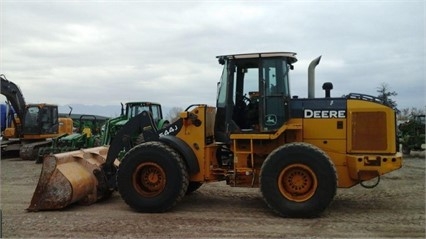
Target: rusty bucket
[67, 178]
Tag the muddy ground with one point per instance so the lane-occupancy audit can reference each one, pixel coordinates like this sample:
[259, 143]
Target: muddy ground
[395, 208]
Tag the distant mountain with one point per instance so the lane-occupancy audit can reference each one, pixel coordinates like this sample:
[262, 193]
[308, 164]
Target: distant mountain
[102, 110]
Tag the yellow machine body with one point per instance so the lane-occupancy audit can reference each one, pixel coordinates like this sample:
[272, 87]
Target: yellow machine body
[355, 149]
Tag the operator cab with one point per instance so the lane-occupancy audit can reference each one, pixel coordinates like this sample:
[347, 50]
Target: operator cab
[135, 108]
[253, 93]
[41, 119]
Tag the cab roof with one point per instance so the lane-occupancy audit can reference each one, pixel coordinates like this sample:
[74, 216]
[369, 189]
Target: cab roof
[141, 103]
[289, 55]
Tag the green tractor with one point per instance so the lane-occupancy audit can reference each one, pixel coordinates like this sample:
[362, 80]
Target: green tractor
[132, 109]
[412, 134]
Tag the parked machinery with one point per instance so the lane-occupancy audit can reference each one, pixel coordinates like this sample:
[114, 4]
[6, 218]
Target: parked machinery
[412, 134]
[131, 109]
[91, 134]
[87, 135]
[33, 126]
[297, 151]
[6, 116]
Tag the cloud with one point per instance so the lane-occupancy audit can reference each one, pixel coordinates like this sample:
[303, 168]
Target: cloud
[90, 52]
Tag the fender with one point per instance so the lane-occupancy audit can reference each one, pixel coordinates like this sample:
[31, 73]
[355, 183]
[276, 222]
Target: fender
[186, 151]
[162, 123]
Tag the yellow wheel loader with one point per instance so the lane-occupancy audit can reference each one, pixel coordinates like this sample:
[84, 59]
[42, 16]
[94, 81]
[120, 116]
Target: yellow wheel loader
[296, 150]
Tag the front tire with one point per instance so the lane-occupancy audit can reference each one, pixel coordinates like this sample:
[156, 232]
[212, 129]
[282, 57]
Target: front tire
[298, 180]
[152, 177]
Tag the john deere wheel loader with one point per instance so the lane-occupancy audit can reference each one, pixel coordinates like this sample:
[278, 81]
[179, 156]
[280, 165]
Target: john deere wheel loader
[297, 151]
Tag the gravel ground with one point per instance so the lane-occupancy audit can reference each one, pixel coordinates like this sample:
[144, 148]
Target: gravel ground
[395, 208]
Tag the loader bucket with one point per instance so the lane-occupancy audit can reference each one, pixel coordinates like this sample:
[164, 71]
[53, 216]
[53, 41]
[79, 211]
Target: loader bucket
[68, 178]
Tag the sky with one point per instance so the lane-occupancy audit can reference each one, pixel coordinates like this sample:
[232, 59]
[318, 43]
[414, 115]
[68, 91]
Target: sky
[106, 52]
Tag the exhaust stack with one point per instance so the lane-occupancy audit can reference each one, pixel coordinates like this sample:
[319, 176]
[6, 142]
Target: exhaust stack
[311, 77]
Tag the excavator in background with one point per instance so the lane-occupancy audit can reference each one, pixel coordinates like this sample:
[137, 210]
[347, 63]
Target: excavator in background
[33, 126]
[298, 151]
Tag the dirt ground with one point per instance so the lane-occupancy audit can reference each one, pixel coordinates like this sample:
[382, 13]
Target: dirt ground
[395, 208]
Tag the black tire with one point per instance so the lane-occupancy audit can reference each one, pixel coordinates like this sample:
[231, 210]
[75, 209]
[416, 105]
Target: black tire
[152, 177]
[193, 186]
[298, 180]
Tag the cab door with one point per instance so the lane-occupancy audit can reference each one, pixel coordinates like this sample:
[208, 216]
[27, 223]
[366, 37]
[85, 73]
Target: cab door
[274, 85]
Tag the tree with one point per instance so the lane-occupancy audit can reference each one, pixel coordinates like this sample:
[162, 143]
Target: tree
[407, 113]
[173, 114]
[385, 94]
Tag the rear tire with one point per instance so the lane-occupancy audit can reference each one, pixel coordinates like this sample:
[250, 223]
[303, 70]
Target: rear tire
[298, 180]
[152, 177]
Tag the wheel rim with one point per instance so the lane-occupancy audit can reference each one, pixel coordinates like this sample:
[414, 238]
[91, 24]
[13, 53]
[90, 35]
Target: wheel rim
[297, 182]
[149, 179]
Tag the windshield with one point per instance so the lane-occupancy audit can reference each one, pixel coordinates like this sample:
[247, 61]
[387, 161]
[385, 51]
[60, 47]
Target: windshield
[41, 120]
[222, 86]
[139, 108]
[32, 117]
